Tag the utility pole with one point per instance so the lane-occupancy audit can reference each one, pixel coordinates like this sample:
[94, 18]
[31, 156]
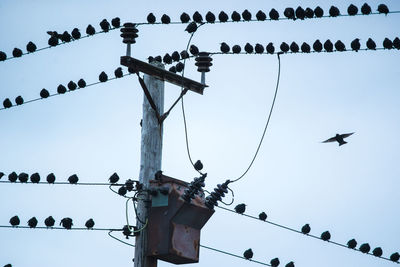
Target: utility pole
[150, 161]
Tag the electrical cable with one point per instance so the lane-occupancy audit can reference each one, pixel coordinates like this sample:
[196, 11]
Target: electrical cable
[58, 228]
[119, 240]
[64, 183]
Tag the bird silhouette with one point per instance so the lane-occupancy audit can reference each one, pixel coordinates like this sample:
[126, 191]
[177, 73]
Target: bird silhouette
[185, 18]
[23, 177]
[172, 69]
[262, 216]
[126, 231]
[175, 56]
[377, 252]
[105, 25]
[300, 13]
[284, 47]
[306, 229]
[289, 13]
[396, 43]
[156, 59]
[305, 48]
[66, 37]
[328, 46]
[382, 8]
[246, 15]
[290, 264]
[19, 100]
[17, 52]
[395, 257]
[90, 30]
[122, 191]
[179, 67]
[103, 77]
[387, 43]
[3, 56]
[236, 49]
[151, 18]
[274, 262]
[235, 16]
[223, 17]
[165, 19]
[338, 138]
[259, 48]
[210, 17]
[334, 11]
[184, 54]
[365, 248]
[114, 178]
[35, 178]
[61, 89]
[44, 93]
[240, 208]
[194, 50]
[294, 47]
[191, 27]
[270, 48]
[71, 86]
[116, 22]
[224, 47]
[51, 178]
[326, 236]
[355, 44]
[73, 179]
[167, 59]
[197, 17]
[76, 34]
[129, 185]
[198, 165]
[118, 72]
[1, 174]
[319, 12]
[261, 16]
[340, 46]
[273, 14]
[89, 224]
[248, 48]
[49, 221]
[371, 44]
[365, 9]
[31, 47]
[248, 254]
[14, 221]
[32, 223]
[309, 13]
[7, 103]
[12, 177]
[66, 223]
[81, 83]
[352, 10]
[352, 243]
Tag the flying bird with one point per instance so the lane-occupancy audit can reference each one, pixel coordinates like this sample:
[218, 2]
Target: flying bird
[262, 216]
[338, 138]
[319, 12]
[14, 221]
[352, 10]
[32, 223]
[51, 178]
[365, 9]
[89, 224]
[248, 254]
[73, 179]
[35, 178]
[273, 14]
[185, 18]
[365, 248]
[224, 47]
[275, 262]
[223, 17]
[66, 223]
[261, 16]
[246, 15]
[352, 243]
[210, 17]
[49, 221]
[114, 178]
[151, 18]
[240, 208]
[306, 229]
[326, 236]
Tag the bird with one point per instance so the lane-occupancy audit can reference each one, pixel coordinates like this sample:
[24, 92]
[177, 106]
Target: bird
[1, 174]
[129, 185]
[122, 191]
[294, 47]
[31, 47]
[126, 231]
[274, 262]
[175, 56]
[355, 44]
[387, 43]
[179, 67]
[73, 179]
[352, 10]
[44, 93]
[32, 223]
[116, 22]
[66, 223]
[61, 89]
[167, 59]
[71, 86]
[165, 19]
[395, 257]
[236, 49]
[224, 47]
[328, 46]
[8, 265]
[51, 178]
[352, 243]
[365, 248]
[35, 178]
[284, 47]
[270, 48]
[118, 72]
[262, 216]
[90, 30]
[3, 56]
[377, 252]
[290, 264]
[382, 8]
[248, 48]
[198, 165]
[240, 208]
[371, 44]
[104, 25]
[261, 16]
[340, 46]
[246, 15]
[210, 17]
[191, 27]
[289, 13]
[172, 69]
[81, 83]
[334, 11]
[19, 100]
[319, 12]
[184, 54]
[365, 9]
[197, 17]
[151, 18]
[14, 221]
[156, 59]
[300, 13]
[248, 254]
[89, 224]
[309, 13]
[66, 37]
[305, 48]
[23, 177]
[185, 18]
[306, 229]
[49, 221]
[103, 77]
[326, 236]
[235, 16]
[194, 50]
[259, 48]
[223, 17]
[114, 178]
[396, 43]
[17, 52]
[76, 34]
[338, 138]
[12, 177]
[273, 14]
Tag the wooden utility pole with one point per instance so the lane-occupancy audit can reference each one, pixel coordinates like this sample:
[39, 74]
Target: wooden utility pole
[150, 161]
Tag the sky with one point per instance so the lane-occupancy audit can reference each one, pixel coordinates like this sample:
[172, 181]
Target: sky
[351, 190]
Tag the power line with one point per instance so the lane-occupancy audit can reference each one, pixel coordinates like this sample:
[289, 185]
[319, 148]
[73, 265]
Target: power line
[60, 228]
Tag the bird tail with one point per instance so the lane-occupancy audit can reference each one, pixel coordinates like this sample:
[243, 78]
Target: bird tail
[342, 143]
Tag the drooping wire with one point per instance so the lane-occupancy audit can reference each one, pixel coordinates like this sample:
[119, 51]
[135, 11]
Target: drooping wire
[119, 240]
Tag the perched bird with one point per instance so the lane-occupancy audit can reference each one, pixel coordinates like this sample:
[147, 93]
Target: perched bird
[191, 27]
[352, 10]
[355, 44]
[273, 14]
[294, 47]
[165, 19]
[44, 93]
[270, 48]
[210, 17]
[365, 9]
[319, 12]
[81, 83]
[305, 48]
[66, 223]
[105, 25]
[61, 89]
[35, 178]
[73, 179]
[224, 47]
[126, 231]
[262, 216]
[76, 34]
[66, 37]
[175, 56]
[103, 77]
[274, 262]
[116, 22]
[377, 252]
[235, 16]
[261, 15]
[334, 11]
[395, 257]
[340, 46]
[365, 248]
[246, 15]
[396, 43]
[326, 236]
[1, 174]
[122, 191]
[248, 48]
[382, 8]
[89, 223]
[3, 56]
[328, 46]
[71, 86]
[31, 47]
[157, 59]
[387, 43]
[12, 177]
[23, 177]
[300, 13]
[49, 221]
[129, 185]
[184, 54]
[309, 13]
[14, 221]
[236, 49]
[197, 17]
[290, 264]
[32, 223]
[118, 72]
[185, 18]
[17, 52]
[306, 229]
[371, 44]
[198, 165]
[194, 50]
[51, 178]
[172, 69]
[167, 59]
[240, 208]
[114, 178]
[259, 48]
[289, 13]
[179, 67]
[248, 254]
[284, 47]
[223, 17]
[338, 138]
[8, 265]
[90, 30]
[19, 100]
[352, 243]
